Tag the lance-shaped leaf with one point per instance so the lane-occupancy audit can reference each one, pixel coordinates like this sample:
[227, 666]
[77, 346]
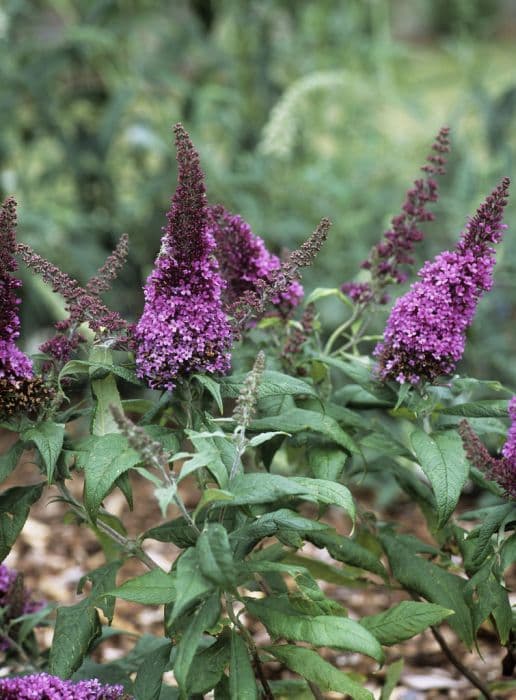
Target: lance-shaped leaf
[431, 582]
[404, 621]
[310, 665]
[15, 504]
[281, 620]
[77, 627]
[444, 462]
[110, 457]
[48, 439]
[153, 588]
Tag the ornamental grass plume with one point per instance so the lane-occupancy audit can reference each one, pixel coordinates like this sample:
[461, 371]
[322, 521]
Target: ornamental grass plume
[183, 328]
[425, 333]
[386, 257]
[501, 469]
[43, 686]
[245, 262]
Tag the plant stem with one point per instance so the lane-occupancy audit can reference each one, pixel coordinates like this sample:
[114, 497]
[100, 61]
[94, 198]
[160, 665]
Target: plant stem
[251, 646]
[466, 672]
[131, 547]
[343, 327]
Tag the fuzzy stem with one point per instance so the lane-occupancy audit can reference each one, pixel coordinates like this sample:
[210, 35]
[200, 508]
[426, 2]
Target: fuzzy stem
[131, 547]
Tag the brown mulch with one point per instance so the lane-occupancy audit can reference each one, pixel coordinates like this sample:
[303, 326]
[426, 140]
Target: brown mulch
[53, 556]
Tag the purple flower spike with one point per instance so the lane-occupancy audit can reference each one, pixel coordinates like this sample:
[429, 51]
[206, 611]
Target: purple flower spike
[245, 262]
[183, 328]
[395, 249]
[14, 364]
[42, 686]
[509, 449]
[425, 333]
[502, 469]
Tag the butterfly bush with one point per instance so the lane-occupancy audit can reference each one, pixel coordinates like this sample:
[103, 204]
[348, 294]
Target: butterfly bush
[245, 261]
[183, 328]
[42, 686]
[425, 333]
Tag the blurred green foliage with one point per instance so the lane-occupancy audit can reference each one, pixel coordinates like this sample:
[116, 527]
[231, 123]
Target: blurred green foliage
[300, 109]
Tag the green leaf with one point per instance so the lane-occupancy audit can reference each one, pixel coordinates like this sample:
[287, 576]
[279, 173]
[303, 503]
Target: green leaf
[10, 459]
[329, 492]
[15, 505]
[215, 555]
[259, 439]
[246, 537]
[106, 394]
[391, 679]
[431, 582]
[77, 627]
[153, 588]
[179, 531]
[191, 584]
[212, 387]
[298, 420]
[478, 409]
[110, 457]
[404, 621]
[310, 665]
[281, 620]
[148, 682]
[208, 666]
[325, 572]
[326, 462]
[348, 551]
[78, 367]
[248, 489]
[48, 438]
[242, 684]
[491, 524]
[204, 617]
[271, 384]
[361, 373]
[103, 580]
[444, 462]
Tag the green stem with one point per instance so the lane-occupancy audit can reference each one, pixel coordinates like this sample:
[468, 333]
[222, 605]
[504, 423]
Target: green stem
[251, 646]
[340, 329]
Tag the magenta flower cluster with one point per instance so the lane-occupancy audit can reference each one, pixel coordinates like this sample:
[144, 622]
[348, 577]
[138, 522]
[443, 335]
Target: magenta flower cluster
[183, 328]
[14, 364]
[42, 686]
[245, 262]
[425, 334]
[386, 257]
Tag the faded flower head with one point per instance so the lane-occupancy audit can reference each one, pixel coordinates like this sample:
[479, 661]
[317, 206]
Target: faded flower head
[501, 469]
[425, 333]
[245, 261]
[43, 686]
[183, 328]
[245, 405]
[394, 250]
